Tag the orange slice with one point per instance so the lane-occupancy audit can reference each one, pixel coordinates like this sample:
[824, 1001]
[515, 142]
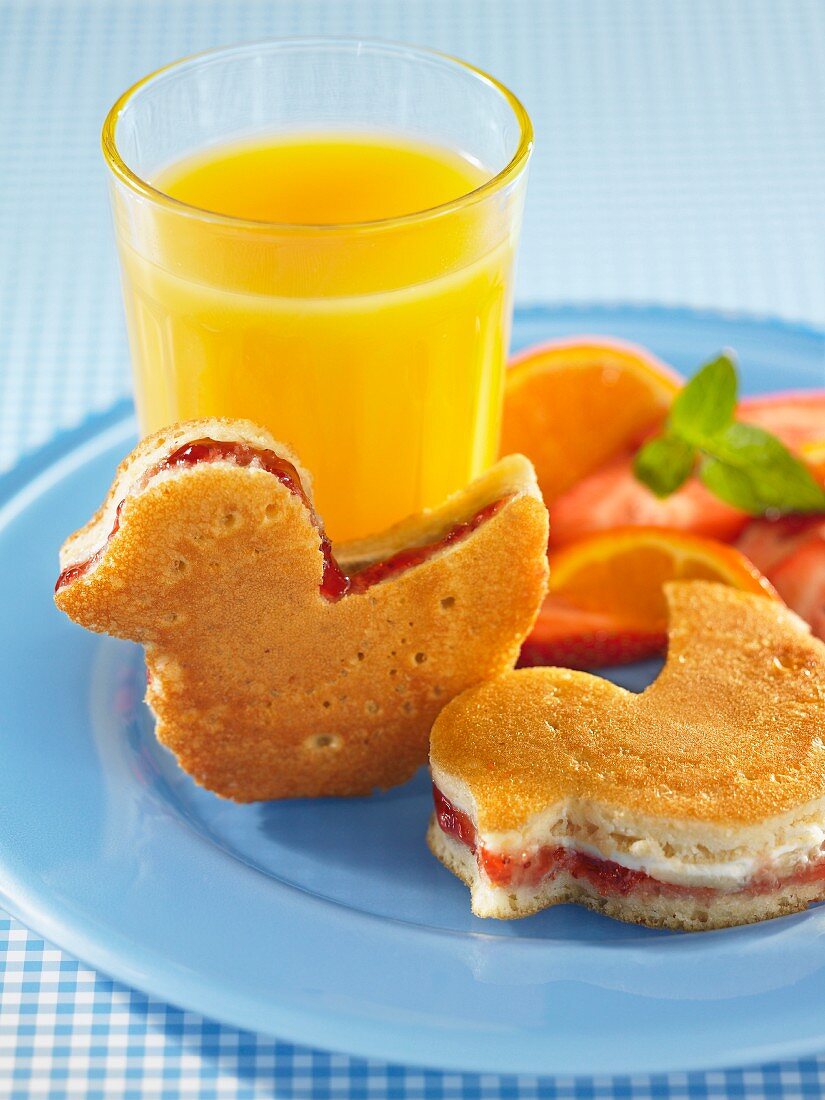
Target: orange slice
[606, 603]
[570, 405]
[622, 572]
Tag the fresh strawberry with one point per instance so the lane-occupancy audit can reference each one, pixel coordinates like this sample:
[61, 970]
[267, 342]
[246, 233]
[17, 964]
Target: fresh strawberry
[767, 542]
[612, 497]
[796, 418]
[800, 581]
[573, 638]
[790, 551]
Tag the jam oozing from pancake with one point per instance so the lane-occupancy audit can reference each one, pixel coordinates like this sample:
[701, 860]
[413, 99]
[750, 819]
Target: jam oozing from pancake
[72, 572]
[334, 583]
[405, 559]
[605, 875]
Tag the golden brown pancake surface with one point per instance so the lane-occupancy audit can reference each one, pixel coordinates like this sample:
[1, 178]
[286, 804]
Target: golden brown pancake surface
[262, 687]
[731, 732]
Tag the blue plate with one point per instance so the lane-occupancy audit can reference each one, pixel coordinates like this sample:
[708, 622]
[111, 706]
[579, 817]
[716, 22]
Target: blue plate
[328, 922]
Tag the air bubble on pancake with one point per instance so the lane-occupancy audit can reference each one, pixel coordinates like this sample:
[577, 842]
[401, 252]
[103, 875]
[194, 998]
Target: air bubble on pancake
[371, 707]
[230, 520]
[420, 658]
[408, 706]
[180, 565]
[326, 704]
[323, 741]
[270, 512]
[359, 655]
[447, 602]
[795, 663]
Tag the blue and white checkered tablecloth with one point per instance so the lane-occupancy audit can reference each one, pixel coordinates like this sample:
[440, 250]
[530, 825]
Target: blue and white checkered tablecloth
[681, 159]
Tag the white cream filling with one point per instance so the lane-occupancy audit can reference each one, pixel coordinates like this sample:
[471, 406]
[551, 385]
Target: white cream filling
[490, 900]
[682, 853]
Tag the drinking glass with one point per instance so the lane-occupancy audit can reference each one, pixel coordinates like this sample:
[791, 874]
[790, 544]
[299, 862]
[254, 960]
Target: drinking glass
[376, 350]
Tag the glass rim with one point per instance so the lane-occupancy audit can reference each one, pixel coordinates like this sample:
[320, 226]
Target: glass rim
[136, 183]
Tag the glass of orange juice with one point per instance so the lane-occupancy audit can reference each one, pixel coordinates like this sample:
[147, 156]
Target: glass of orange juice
[318, 235]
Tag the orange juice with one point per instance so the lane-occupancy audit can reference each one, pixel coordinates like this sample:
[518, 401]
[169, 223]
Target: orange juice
[370, 341]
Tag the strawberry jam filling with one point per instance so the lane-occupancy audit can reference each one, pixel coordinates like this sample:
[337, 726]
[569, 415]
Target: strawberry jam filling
[606, 876]
[72, 572]
[405, 559]
[334, 583]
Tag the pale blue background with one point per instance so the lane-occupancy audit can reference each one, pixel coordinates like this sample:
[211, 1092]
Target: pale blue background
[680, 159]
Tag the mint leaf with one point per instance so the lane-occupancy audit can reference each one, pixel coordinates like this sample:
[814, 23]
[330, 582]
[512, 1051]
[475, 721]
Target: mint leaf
[751, 469]
[664, 464]
[706, 404]
[741, 464]
[731, 485]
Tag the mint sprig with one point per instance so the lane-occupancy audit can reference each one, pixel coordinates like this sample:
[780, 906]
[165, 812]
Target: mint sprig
[740, 463]
[665, 463]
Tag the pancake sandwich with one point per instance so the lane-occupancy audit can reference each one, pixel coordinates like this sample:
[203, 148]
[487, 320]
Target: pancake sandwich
[699, 803]
[278, 668]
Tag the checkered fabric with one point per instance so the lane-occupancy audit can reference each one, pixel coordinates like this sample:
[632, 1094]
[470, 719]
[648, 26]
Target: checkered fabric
[680, 159]
[66, 1031]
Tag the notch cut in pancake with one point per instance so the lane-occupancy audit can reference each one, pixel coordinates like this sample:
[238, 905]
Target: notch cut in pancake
[699, 803]
[274, 671]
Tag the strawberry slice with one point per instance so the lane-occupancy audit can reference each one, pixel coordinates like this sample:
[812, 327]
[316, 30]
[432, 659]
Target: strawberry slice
[768, 542]
[790, 551]
[612, 497]
[800, 581]
[796, 418]
[573, 638]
